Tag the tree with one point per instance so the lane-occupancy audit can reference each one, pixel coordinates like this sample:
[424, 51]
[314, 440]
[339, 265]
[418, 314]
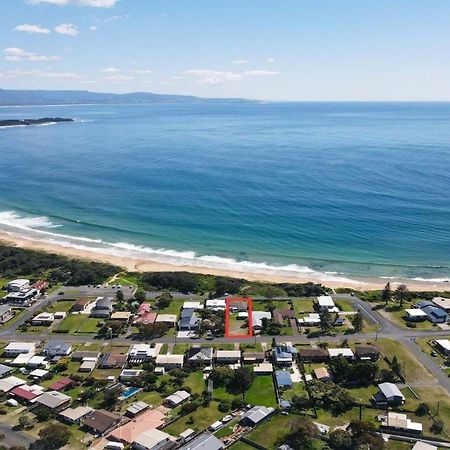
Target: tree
[164, 299]
[437, 426]
[363, 435]
[152, 330]
[422, 410]
[402, 293]
[222, 375]
[386, 294]
[341, 440]
[119, 297]
[111, 397]
[25, 422]
[52, 437]
[358, 322]
[42, 414]
[139, 296]
[325, 320]
[301, 434]
[300, 402]
[242, 379]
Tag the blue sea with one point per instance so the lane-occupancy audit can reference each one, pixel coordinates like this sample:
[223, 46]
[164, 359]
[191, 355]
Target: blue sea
[331, 190]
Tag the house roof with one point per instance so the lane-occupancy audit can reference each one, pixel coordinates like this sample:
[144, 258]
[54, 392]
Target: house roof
[85, 354]
[178, 397]
[311, 352]
[53, 399]
[205, 441]
[110, 359]
[103, 302]
[26, 347]
[151, 438]
[101, 420]
[172, 318]
[444, 343]
[169, 359]
[280, 314]
[344, 351]
[251, 356]
[415, 312]
[321, 372]
[390, 390]
[4, 369]
[121, 315]
[257, 413]
[61, 384]
[75, 413]
[366, 350]
[200, 354]
[325, 300]
[137, 407]
[228, 354]
[283, 378]
[148, 420]
[57, 347]
[442, 302]
[6, 384]
[25, 394]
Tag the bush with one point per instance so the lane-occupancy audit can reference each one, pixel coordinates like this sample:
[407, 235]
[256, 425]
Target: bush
[437, 426]
[422, 410]
[224, 406]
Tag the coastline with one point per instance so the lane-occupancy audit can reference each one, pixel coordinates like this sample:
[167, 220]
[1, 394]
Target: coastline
[147, 265]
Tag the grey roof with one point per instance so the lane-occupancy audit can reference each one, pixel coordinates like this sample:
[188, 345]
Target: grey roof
[53, 399]
[205, 441]
[104, 302]
[257, 413]
[4, 309]
[201, 354]
[4, 370]
[283, 378]
[57, 347]
[390, 390]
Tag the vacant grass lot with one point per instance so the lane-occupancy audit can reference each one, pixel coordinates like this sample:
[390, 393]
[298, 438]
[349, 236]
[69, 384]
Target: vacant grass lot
[261, 392]
[196, 382]
[63, 305]
[78, 324]
[199, 420]
[173, 308]
[271, 432]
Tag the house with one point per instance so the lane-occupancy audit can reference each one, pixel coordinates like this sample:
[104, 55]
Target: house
[205, 441]
[435, 314]
[443, 346]
[140, 353]
[367, 352]
[5, 370]
[279, 315]
[56, 348]
[193, 305]
[263, 369]
[313, 355]
[75, 415]
[103, 307]
[54, 400]
[62, 384]
[311, 320]
[237, 305]
[129, 374]
[44, 318]
[419, 445]
[26, 393]
[228, 356]
[389, 394]
[59, 315]
[101, 421]
[415, 315]
[22, 359]
[113, 361]
[144, 315]
[169, 319]
[23, 298]
[170, 362]
[343, 352]
[129, 431]
[16, 348]
[154, 439]
[9, 383]
[80, 305]
[284, 379]
[253, 357]
[18, 285]
[37, 361]
[38, 374]
[283, 355]
[217, 304]
[189, 320]
[256, 415]
[6, 313]
[88, 365]
[136, 408]
[442, 302]
[177, 398]
[322, 374]
[257, 318]
[123, 316]
[84, 355]
[326, 303]
[398, 421]
[200, 355]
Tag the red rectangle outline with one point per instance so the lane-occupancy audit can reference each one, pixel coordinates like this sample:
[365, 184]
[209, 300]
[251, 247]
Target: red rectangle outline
[250, 317]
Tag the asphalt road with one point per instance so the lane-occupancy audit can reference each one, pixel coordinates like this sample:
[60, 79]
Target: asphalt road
[14, 438]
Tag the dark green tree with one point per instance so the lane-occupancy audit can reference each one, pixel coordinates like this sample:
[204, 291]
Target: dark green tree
[386, 294]
[358, 322]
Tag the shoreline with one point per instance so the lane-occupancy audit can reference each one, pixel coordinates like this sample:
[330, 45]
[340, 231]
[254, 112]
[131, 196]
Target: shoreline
[145, 265]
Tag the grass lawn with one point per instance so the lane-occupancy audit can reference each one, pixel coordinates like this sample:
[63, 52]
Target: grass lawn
[220, 393]
[254, 347]
[271, 432]
[334, 421]
[63, 305]
[344, 305]
[180, 349]
[261, 392]
[196, 382]
[398, 317]
[199, 420]
[124, 279]
[303, 305]
[236, 327]
[363, 394]
[397, 445]
[296, 389]
[414, 371]
[78, 323]
[173, 308]
[226, 430]
[239, 445]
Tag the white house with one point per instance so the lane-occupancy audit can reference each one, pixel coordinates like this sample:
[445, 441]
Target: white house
[129, 374]
[216, 304]
[193, 305]
[443, 346]
[258, 316]
[341, 352]
[44, 318]
[228, 356]
[16, 348]
[415, 315]
[141, 353]
[170, 362]
[177, 398]
[326, 303]
[18, 285]
[154, 439]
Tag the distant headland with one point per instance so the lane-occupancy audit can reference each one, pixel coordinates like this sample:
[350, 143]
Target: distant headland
[10, 97]
[27, 122]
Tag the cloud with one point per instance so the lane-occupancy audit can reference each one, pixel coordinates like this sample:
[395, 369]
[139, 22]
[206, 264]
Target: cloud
[113, 18]
[240, 61]
[28, 28]
[93, 28]
[67, 28]
[176, 77]
[119, 78]
[270, 60]
[214, 77]
[90, 3]
[260, 73]
[111, 70]
[17, 54]
[38, 73]
[144, 71]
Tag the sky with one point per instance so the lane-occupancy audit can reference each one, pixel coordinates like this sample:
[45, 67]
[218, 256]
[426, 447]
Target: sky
[292, 50]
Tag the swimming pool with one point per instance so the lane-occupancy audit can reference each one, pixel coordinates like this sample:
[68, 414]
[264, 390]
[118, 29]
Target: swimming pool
[130, 392]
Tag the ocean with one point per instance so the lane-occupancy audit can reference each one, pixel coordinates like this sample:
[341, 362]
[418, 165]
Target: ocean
[334, 190]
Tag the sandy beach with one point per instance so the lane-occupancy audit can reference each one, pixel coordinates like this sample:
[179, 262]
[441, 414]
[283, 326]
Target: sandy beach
[141, 265]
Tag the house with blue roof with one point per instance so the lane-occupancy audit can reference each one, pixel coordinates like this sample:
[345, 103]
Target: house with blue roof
[435, 314]
[189, 320]
[284, 379]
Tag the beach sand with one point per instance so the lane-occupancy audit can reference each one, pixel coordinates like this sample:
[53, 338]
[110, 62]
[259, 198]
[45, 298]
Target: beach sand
[140, 265]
